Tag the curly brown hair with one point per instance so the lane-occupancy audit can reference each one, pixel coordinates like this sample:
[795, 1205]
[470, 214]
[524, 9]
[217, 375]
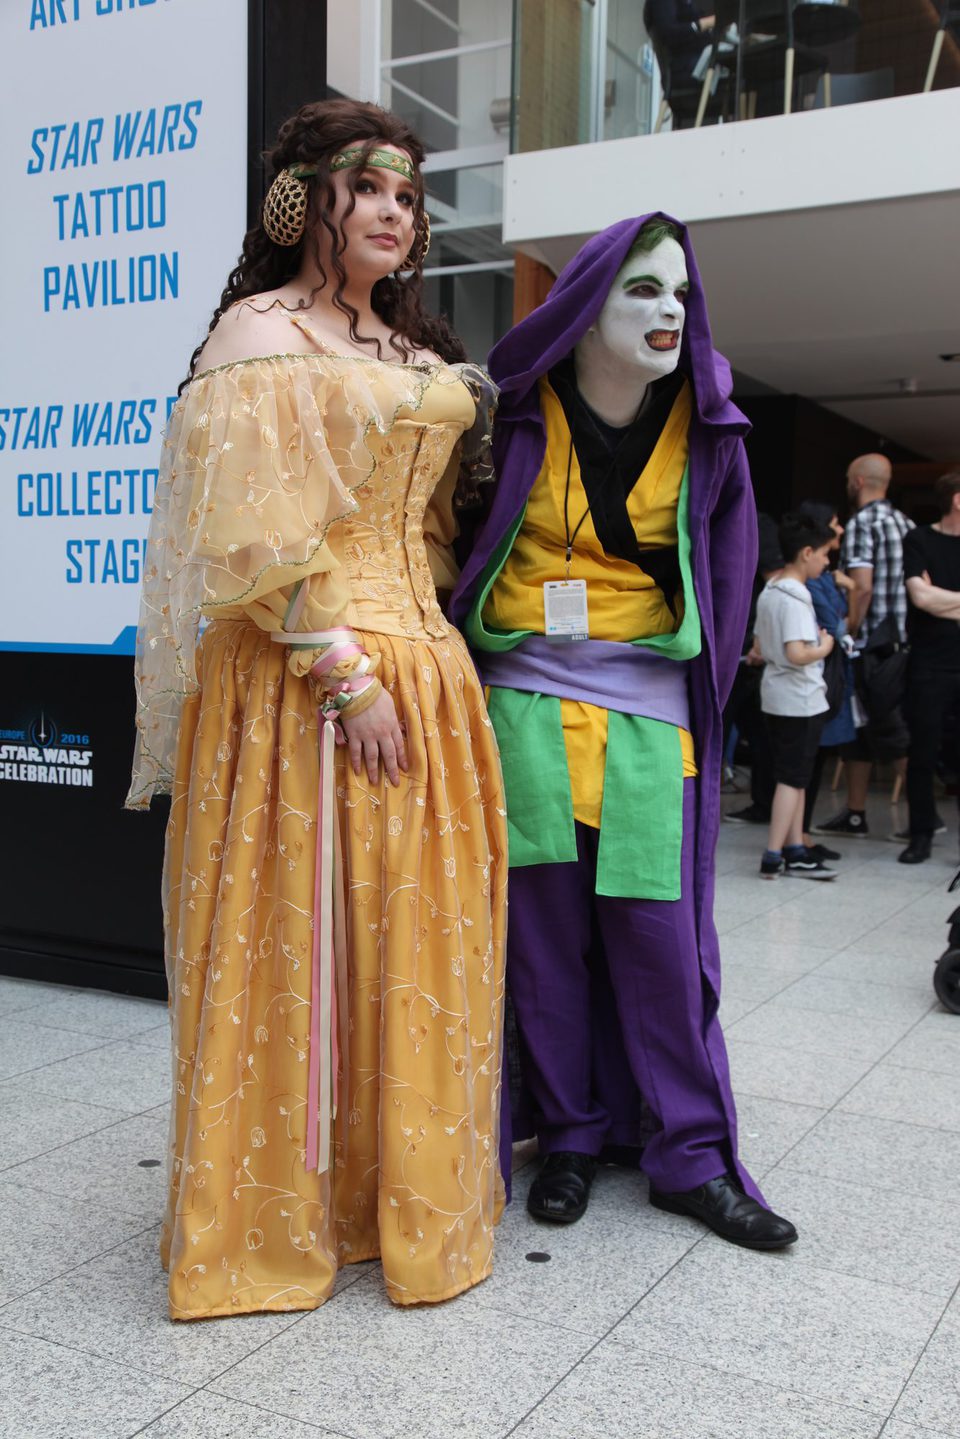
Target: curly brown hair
[313, 136]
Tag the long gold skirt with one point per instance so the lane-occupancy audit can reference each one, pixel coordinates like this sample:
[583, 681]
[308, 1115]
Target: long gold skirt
[415, 1177]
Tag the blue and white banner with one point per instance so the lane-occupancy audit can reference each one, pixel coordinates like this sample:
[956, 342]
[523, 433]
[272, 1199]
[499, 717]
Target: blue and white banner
[123, 177]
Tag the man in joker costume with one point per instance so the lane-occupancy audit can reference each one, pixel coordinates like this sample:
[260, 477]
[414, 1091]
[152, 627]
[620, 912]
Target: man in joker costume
[605, 596]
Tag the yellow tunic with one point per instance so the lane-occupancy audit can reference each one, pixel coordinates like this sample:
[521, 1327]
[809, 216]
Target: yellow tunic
[415, 1177]
[624, 602]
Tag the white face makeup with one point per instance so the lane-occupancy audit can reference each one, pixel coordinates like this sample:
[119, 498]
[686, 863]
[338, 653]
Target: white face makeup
[641, 322]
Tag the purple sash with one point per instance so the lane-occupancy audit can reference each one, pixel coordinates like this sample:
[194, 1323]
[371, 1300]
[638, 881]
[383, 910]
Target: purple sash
[623, 677]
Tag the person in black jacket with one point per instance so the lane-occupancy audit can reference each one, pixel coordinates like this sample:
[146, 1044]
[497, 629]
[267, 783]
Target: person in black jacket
[931, 567]
[679, 34]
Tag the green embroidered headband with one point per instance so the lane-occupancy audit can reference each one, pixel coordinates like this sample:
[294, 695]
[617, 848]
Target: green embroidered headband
[377, 160]
[285, 206]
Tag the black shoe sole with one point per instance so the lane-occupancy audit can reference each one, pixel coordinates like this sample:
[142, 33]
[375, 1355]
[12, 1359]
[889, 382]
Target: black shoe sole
[670, 1207]
[551, 1217]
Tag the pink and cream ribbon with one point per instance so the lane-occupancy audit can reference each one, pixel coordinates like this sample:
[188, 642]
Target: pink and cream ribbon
[328, 975]
[329, 1018]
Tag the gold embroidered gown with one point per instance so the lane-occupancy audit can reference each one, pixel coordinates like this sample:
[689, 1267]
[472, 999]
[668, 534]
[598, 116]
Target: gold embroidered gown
[338, 471]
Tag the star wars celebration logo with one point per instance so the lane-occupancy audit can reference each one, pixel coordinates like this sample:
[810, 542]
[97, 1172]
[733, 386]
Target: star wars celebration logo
[42, 753]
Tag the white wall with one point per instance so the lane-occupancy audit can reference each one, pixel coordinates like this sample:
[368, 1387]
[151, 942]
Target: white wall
[855, 153]
[353, 47]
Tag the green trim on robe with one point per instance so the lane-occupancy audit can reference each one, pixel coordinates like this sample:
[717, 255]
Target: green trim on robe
[641, 820]
[536, 781]
[475, 630]
[643, 801]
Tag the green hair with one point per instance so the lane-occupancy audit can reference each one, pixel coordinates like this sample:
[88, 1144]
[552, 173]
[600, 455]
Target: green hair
[653, 233]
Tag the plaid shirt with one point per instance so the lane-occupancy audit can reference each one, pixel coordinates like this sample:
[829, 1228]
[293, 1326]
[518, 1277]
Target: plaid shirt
[874, 537]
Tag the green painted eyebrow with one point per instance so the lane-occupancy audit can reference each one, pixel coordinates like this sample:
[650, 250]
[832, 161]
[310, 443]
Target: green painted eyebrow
[652, 280]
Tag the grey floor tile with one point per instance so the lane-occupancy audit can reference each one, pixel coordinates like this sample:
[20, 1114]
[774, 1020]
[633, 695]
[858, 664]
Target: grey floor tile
[793, 1075]
[882, 1002]
[621, 1242]
[207, 1416]
[103, 1168]
[127, 1074]
[733, 1008]
[48, 1392]
[880, 1234]
[918, 934]
[829, 1336]
[897, 1429]
[933, 1044]
[778, 1023]
[26, 1045]
[793, 924]
[932, 1397]
[43, 1235]
[769, 1128]
[863, 1149]
[329, 1369]
[616, 1391]
[32, 1124]
[869, 964]
[115, 1016]
[912, 1096]
[20, 994]
[116, 1307]
[753, 980]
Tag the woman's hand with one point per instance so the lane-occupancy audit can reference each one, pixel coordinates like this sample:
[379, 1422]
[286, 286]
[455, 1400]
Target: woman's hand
[843, 582]
[376, 735]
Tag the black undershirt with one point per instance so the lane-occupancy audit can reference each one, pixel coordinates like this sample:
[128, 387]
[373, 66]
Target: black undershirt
[612, 459]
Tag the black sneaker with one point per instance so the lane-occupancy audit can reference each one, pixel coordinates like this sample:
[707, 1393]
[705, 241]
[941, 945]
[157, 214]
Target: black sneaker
[753, 814]
[820, 851]
[903, 836]
[848, 823]
[806, 866]
[771, 868]
[917, 851]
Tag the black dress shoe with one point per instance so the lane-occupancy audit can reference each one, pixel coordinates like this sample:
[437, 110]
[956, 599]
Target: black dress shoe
[561, 1191]
[917, 850]
[722, 1204]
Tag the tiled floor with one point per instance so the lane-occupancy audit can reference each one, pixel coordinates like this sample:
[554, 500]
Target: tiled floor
[847, 1074]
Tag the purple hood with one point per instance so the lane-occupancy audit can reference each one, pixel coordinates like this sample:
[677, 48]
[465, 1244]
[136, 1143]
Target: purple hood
[535, 345]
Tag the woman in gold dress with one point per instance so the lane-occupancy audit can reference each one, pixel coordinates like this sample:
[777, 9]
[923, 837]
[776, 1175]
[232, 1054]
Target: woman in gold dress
[334, 922]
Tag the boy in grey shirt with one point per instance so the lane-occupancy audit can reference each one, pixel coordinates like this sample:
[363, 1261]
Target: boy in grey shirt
[793, 694]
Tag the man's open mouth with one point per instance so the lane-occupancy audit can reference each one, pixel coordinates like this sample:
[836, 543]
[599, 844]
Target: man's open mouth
[662, 339]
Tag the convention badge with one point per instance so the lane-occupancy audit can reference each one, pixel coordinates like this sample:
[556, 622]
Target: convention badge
[565, 610]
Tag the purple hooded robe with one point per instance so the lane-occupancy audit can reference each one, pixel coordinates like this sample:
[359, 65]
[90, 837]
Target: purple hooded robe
[722, 523]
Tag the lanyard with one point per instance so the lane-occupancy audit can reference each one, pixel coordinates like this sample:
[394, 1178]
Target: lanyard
[568, 537]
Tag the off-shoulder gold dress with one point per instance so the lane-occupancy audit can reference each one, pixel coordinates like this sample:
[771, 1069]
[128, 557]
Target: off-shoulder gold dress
[337, 471]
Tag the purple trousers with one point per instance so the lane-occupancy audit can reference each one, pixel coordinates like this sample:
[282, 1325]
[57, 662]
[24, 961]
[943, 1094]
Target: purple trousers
[609, 1006]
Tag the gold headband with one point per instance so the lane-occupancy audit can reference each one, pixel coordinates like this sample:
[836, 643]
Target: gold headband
[377, 160]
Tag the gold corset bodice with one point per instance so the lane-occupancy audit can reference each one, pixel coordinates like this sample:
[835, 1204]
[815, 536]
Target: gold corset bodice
[383, 545]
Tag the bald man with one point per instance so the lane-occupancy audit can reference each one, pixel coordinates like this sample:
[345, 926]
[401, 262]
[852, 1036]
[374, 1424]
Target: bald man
[872, 555]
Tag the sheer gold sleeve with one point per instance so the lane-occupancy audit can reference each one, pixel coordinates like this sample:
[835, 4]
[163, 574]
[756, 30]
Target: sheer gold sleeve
[259, 460]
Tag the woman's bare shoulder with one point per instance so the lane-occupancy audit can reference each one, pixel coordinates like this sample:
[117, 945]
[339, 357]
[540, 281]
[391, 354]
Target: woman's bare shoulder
[256, 326]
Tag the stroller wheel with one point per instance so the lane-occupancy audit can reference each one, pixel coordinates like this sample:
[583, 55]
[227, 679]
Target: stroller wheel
[946, 980]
